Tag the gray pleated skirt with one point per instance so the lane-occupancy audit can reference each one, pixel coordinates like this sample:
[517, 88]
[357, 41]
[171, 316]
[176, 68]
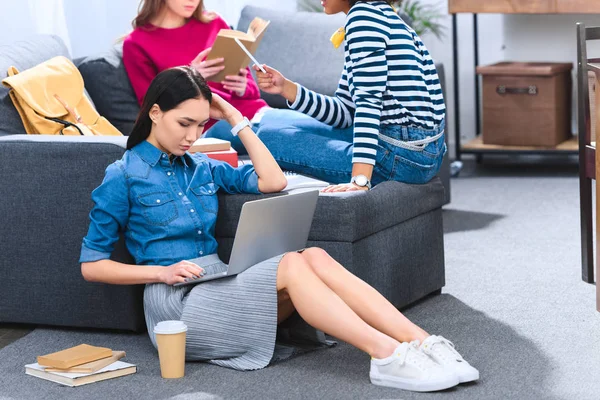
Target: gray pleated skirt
[232, 322]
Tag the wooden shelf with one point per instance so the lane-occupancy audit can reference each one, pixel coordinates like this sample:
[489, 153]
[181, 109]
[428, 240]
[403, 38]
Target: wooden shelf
[524, 6]
[476, 146]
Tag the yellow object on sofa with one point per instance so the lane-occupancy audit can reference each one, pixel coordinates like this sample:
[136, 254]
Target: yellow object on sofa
[50, 100]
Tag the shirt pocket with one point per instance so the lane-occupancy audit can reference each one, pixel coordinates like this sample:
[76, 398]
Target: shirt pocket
[158, 208]
[206, 194]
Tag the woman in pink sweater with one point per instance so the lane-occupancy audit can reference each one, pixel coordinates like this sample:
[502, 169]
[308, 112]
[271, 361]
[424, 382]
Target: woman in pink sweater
[170, 33]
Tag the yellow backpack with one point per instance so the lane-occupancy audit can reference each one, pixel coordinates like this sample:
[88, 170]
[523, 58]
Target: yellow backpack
[50, 100]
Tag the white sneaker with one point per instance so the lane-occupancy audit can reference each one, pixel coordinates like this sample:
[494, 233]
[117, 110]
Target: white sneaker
[410, 369]
[442, 351]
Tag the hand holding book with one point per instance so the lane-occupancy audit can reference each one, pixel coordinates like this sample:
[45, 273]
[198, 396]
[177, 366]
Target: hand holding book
[236, 57]
[207, 68]
[236, 83]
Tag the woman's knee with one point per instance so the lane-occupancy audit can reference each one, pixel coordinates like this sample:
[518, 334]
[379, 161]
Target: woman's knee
[292, 266]
[317, 257]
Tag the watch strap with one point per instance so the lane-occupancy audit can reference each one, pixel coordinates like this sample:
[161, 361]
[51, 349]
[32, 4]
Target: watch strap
[241, 125]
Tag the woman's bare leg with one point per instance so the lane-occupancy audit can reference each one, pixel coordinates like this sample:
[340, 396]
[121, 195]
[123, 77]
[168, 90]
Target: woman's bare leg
[319, 306]
[367, 302]
[285, 307]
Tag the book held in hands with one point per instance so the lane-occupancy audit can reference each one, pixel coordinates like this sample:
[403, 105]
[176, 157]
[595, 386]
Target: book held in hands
[234, 56]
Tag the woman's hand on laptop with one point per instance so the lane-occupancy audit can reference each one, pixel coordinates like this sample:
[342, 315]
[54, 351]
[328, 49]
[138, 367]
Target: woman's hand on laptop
[179, 272]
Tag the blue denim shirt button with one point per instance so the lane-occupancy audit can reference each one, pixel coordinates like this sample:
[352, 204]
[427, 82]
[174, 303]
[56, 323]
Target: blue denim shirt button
[192, 210]
[164, 156]
[200, 252]
[181, 194]
[169, 173]
[199, 232]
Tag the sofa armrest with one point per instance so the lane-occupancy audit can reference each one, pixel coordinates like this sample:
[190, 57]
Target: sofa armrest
[45, 185]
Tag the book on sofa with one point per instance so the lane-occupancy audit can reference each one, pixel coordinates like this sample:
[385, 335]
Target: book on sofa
[217, 149]
[114, 370]
[229, 156]
[205, 145]
[226, 47]
[300, 181]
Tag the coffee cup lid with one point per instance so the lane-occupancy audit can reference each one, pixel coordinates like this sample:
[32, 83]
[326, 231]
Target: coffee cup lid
[170, 327]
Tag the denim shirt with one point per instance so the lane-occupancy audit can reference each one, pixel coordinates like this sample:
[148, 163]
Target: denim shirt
[167, 210]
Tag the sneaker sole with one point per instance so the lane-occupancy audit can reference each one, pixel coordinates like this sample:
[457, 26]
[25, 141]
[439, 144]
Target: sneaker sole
[469, 377]
[413, 385]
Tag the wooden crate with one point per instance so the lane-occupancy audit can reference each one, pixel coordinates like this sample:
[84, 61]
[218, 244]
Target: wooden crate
[526, 104]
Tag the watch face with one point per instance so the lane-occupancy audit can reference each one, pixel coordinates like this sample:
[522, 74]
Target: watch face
[361, 180]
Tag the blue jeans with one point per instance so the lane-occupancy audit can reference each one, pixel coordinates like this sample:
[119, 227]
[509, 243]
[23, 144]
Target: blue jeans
[302, 144]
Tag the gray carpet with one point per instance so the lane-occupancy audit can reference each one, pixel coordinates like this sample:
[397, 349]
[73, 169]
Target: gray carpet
[514, 305]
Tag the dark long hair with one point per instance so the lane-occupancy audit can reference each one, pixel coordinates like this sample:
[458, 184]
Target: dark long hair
[168, 89]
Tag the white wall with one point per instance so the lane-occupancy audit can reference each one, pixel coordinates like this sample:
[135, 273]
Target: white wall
[91, 25]
[230, 9]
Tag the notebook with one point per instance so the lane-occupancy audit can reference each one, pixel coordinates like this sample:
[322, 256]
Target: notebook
[114, 370]
[77, 355]
[92, 366]
[299, 181]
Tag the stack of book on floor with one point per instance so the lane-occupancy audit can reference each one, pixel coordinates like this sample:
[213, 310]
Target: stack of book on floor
[81, 365]
[216, 149]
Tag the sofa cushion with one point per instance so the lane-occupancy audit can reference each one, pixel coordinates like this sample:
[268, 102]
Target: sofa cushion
[348, 217]
[109, 87]
[24, 54]
[297, 44]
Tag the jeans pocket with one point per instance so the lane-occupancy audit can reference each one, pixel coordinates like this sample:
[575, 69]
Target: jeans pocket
[158, 208]
[414, 167]
[382, 170]
[435, 149]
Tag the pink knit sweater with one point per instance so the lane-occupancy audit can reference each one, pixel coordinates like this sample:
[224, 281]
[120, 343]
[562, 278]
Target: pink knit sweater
[150, 50]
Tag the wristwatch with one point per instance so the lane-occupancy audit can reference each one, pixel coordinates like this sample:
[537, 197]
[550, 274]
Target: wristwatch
[236, 129]
[362, 181]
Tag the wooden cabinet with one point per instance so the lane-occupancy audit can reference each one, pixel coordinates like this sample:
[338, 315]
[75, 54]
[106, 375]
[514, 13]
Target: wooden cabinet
[524, 6]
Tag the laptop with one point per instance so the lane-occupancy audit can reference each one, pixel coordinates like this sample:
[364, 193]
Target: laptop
[267, 228]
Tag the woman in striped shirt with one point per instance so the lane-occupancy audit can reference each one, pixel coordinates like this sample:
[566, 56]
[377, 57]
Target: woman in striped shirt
[386, 120]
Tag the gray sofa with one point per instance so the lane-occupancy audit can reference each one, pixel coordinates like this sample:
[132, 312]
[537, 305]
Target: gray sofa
[391, 237]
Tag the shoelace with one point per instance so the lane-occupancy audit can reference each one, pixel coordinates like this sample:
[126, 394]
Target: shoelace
[447, 352]
[418, 358]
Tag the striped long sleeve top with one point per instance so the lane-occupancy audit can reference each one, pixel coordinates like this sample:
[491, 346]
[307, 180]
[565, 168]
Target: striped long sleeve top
[388, 78]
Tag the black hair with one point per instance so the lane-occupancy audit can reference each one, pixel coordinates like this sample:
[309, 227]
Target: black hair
[353, 2]
[168, 89]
